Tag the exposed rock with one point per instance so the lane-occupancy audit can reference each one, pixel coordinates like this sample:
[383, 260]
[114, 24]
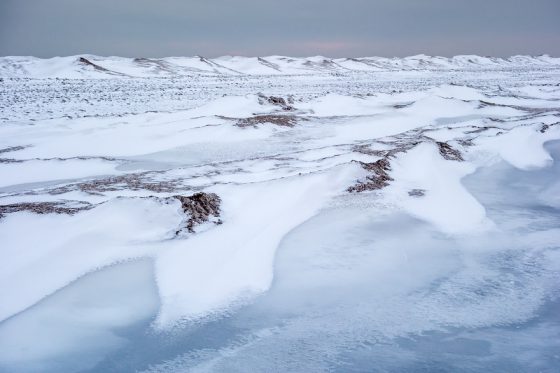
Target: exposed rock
[448, 152]
[379, 179]
[200, 207]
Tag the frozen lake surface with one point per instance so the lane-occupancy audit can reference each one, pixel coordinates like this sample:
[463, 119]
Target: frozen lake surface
[199, 215]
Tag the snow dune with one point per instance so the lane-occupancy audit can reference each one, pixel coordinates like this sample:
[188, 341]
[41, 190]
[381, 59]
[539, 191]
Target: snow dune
[90, 66]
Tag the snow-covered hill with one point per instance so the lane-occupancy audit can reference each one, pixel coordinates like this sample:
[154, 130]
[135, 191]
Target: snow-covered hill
[90, 66]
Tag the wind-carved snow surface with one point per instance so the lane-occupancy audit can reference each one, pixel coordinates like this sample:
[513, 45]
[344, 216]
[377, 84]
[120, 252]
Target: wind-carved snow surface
[366, 214]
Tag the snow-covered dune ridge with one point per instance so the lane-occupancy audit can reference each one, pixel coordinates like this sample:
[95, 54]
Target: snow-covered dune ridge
[91, 66]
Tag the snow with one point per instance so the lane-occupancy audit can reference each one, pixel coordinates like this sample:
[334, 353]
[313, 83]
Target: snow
[446, 203]
[115, 231]
[236, 259]
[134, 136]
[39, 171]
[80, 318]
[338, 105]
[456, 252]
[508, 146]
[70, 68]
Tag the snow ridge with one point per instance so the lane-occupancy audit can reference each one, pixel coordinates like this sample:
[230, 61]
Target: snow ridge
[91, 66]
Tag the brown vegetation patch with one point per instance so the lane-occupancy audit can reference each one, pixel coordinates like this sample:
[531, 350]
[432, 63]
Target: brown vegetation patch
[44, 208]
[365, 149]
[378, 179]
[138, 181]
[448, 152]
[200, 207]
[277, 101]
[279, 120]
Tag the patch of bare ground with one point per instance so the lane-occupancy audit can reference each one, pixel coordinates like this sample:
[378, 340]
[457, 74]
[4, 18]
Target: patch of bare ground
[448, 152]
[200, 207]
[379, 176]
[379, 170]
[480, 129]
[12, 149]
[546, 127]
[403, 105]
[417, 193]
[365, 149]
[281, 102]
[276, 119]
[466, 142]
[85, 61]
[268, 64]
[378, 179]
[45, 207]
[10, 160]
[8, 150]
[532, 110]
[137, 181]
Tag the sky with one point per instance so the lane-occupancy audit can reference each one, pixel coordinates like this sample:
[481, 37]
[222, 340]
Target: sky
[333, 28]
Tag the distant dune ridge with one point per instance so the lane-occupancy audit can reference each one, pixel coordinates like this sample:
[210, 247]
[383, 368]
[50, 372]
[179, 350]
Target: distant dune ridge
[90, 66]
